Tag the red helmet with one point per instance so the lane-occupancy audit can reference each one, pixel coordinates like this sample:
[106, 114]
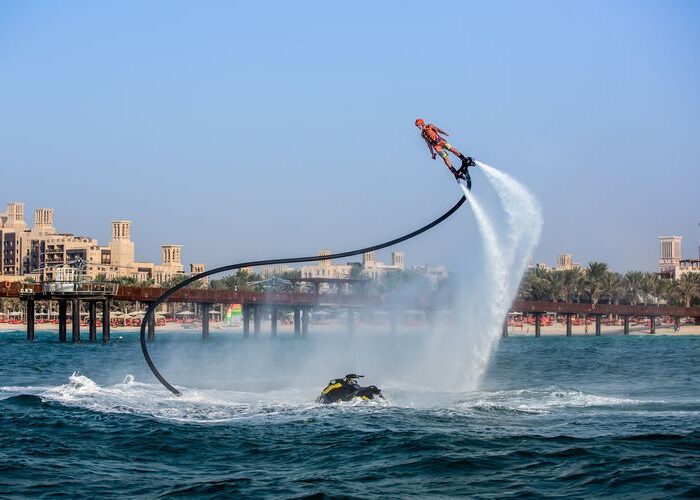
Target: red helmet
[420, 121]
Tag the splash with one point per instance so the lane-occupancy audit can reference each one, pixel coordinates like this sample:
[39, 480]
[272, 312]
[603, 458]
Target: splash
[524, 221]
[505, 259]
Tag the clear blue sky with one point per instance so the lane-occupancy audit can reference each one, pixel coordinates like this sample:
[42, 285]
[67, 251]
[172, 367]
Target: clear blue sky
[274, 121]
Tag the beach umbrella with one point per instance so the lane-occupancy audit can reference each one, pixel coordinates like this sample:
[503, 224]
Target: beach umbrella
[16, 313]
[184, 313]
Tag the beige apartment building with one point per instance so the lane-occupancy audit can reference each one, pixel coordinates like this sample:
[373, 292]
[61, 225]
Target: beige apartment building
[371, 268]
[40, 251]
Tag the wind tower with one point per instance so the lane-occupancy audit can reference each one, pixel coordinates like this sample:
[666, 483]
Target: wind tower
[122, 248]
[670, 253]
[43, 220]
[171, 256]
[15, 215]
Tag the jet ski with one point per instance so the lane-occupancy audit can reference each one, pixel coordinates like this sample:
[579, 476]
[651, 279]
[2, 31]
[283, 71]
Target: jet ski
[347, 389]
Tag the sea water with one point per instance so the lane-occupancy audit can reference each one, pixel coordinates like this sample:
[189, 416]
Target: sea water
[578, 416]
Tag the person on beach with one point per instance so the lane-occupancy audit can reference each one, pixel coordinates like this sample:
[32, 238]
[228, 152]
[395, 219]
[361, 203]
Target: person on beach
[438, 145]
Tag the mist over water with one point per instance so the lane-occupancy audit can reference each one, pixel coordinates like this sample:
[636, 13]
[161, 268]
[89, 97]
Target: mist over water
[453, 356]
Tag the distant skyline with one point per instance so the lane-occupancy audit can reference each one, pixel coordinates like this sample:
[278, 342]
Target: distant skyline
[692, 253]
[276, 129]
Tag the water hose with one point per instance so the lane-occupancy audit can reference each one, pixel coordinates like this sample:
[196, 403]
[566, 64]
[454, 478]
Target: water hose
[150, 311]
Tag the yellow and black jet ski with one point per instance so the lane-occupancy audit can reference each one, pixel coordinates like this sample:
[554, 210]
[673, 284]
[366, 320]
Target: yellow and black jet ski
[347, 389]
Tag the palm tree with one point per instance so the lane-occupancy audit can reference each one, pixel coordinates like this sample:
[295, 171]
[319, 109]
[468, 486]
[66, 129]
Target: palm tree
[612, 289]
[594, 280]
[662, 290]
[238, 281]
[572, 283]
[632, 284]
[535, 285]
[650, 287]
[555, 284]
[687, 288]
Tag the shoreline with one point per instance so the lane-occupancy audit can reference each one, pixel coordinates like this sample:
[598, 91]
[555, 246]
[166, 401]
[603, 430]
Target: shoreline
[525, 331]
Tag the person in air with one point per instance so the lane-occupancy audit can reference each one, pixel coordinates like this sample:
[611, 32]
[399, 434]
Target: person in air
[438, 145]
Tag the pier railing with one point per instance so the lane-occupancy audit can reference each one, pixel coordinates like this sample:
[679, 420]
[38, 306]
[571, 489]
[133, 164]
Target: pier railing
[57, 287]
[210, 296]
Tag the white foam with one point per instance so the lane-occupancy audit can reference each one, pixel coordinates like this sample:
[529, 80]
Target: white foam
[542, 401]
[194, 406]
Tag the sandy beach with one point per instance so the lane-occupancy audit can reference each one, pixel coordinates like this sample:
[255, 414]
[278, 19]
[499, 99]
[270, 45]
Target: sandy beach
[525, 330]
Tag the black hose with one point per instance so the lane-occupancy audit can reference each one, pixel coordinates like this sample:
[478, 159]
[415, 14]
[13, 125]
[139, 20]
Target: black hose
[152, 306]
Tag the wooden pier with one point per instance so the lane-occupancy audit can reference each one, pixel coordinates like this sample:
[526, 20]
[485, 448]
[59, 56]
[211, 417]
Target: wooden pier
[256, 305]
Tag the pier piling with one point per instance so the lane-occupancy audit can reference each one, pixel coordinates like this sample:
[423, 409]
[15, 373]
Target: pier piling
[106, 320]
[151, 326]
[205, 321]
[538, 324]
[598, 318]
[504, 333]
[626, 325]
[75, 322]
[30, 319]
[62, 307]
[256, 320]
[246, 321]
[652, 327]
[568, 324]
[297, 321]
[304, 322]
[273, 321]
[92, 321]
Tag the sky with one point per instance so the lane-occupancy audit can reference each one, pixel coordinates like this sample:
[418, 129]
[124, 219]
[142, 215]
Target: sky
[251, 130]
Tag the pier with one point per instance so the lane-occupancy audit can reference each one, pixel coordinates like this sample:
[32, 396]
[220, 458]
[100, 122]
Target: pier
[598, 311]
[256, 306]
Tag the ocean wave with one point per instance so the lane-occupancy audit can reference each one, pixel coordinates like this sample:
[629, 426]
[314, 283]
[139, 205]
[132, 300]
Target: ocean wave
[193, 406]
[542, 401]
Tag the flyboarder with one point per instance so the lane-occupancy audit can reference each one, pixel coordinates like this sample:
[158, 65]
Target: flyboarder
[437, 145]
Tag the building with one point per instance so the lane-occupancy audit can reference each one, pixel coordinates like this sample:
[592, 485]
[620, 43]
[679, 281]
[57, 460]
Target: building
[196, 269]
[671, 261]
[373, 269]
[275, 270]
[326, 269]
[40, 251]
[565, 262]
[670, 253]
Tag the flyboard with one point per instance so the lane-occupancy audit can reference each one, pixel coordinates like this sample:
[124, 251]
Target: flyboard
[463, 172]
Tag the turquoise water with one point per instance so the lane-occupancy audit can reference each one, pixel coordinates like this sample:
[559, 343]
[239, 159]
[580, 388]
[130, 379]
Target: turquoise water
[595, 416]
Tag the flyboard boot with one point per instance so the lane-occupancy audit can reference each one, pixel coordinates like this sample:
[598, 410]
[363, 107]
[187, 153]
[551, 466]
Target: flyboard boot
[463, 172]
